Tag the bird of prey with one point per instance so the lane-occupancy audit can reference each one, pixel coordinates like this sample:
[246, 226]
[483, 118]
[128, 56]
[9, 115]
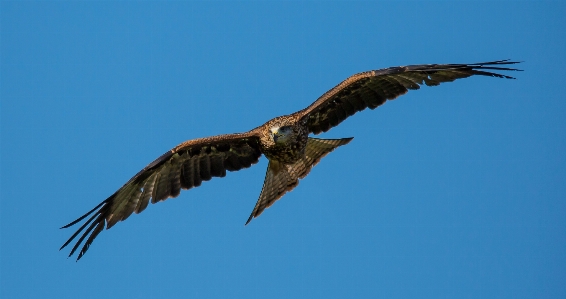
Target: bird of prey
[284, 140]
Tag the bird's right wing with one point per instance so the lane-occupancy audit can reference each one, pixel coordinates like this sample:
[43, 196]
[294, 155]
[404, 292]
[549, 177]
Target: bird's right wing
[183, 167]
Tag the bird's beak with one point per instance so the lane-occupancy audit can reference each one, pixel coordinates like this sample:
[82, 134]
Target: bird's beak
[275, 133]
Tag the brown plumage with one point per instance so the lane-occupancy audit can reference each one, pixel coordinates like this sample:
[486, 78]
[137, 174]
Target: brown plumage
[283, 140]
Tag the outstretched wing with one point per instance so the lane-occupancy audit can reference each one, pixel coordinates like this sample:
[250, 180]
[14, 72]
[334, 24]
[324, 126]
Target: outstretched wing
[373, 88]
[183, 167]
[281, 178]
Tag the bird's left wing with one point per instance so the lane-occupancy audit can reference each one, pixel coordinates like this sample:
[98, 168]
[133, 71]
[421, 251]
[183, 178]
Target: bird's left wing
[183, 167]
[373, 88]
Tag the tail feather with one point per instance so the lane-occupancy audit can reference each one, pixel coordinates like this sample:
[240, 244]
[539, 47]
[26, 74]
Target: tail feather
[281, 178]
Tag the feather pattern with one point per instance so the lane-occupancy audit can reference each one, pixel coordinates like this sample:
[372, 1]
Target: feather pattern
[283, 140]
[281, 178]
[371, 89]
[183, 167]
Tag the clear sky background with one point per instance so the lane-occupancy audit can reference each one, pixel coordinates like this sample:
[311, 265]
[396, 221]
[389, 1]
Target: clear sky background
[455, 191]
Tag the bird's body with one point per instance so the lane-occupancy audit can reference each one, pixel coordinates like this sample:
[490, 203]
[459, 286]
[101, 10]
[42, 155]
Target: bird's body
[284, 140]
[285, 149]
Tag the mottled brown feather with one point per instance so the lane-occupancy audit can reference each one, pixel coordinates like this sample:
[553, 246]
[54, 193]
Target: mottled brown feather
[185, 166]
[373, 88]
[281, 178]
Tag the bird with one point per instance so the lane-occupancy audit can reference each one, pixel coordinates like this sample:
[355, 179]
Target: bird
[283, 140]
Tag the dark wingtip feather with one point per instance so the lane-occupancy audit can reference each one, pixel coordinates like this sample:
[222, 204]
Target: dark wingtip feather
[497, 62]
[78, 232]
[91, 238]
[85, 215]
[94, 220]
[490, 65]
[86, 233]
[490, 74]
[481, 68]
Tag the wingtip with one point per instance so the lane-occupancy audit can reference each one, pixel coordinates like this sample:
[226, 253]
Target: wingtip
[79, 256]
[503, 61]
[70, 256]
[70, 224]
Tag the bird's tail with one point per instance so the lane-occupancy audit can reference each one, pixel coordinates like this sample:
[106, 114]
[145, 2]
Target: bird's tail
[281, 178]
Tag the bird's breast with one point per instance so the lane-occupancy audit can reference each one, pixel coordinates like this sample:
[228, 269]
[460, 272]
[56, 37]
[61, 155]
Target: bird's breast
[288, 152]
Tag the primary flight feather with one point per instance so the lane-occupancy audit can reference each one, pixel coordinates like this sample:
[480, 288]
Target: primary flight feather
[283, 140]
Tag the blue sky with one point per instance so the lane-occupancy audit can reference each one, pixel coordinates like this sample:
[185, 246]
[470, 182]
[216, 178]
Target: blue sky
[456, 191]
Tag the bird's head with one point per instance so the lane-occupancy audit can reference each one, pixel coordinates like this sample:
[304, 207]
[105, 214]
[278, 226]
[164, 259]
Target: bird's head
[281, 134]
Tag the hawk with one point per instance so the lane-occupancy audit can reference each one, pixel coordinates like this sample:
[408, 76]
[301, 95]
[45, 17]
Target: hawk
[284, 140]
